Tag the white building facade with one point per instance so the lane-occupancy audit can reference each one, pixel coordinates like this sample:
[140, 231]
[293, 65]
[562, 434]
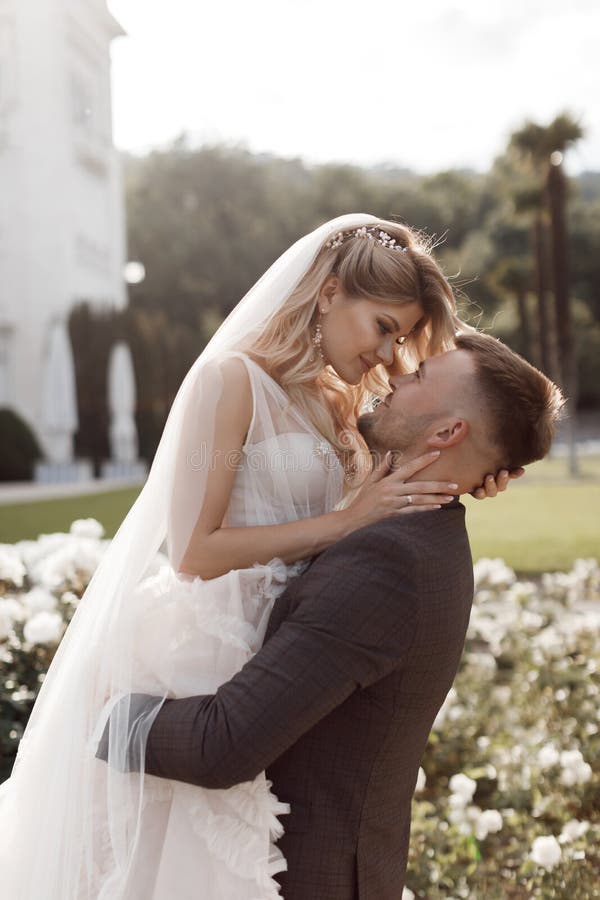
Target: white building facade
[62, 222]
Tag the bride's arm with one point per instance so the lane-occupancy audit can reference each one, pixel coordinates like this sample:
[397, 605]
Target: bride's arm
[213, 550]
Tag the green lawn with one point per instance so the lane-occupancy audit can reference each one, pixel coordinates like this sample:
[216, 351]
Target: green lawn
[22, 521]
[542, 523]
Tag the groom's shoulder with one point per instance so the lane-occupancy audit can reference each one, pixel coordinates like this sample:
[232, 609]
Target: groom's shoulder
[416, 531]
[407, 556]
[402, 543]
[406, 547]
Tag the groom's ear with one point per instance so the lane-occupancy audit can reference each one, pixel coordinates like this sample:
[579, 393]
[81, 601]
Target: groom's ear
[448, 434]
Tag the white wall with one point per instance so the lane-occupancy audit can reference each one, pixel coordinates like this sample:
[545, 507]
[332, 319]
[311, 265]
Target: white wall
[62, 232]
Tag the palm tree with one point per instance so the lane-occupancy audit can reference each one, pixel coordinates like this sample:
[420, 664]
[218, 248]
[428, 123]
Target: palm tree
[513, 276]
[530, 201]
[545, 148]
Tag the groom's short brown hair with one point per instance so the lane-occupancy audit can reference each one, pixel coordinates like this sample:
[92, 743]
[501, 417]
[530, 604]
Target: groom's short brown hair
[524, 405]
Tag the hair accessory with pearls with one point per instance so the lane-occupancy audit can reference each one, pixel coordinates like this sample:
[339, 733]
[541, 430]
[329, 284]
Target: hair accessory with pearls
[371, 234]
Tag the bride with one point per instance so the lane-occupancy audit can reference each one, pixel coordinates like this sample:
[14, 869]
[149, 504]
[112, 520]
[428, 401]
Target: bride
[259, 468]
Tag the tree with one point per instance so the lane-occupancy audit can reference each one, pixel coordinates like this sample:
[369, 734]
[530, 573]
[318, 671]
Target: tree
[514, 276]
[530, 201]
[545, 147]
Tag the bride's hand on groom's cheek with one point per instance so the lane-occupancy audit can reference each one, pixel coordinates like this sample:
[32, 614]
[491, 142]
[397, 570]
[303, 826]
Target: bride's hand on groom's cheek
[493, 485]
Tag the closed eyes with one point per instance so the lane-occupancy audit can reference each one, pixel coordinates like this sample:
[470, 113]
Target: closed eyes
[385, 330]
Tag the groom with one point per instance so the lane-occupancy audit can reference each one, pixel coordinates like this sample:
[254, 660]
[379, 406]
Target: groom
[362, 649]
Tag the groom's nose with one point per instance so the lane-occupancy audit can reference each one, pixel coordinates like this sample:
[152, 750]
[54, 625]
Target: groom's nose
[392, 387]
[399, 378]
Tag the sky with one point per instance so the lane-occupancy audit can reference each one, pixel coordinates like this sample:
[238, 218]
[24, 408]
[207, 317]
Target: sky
[427, 85]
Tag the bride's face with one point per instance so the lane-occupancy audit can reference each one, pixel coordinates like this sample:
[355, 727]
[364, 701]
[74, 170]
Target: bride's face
[358, 333]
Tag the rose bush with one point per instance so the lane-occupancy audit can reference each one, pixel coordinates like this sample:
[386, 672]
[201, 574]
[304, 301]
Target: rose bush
[507, 802]
[41, 583]
[509, 805]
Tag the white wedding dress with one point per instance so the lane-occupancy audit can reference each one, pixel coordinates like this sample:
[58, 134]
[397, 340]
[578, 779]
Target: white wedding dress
[193, 635]
[75, 828]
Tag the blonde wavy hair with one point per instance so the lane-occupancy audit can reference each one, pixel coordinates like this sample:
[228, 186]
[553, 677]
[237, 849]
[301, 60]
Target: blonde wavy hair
[365, 270]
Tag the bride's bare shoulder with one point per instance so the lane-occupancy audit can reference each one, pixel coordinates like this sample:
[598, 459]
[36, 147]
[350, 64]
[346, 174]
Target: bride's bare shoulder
[232, 370]
[233, 367]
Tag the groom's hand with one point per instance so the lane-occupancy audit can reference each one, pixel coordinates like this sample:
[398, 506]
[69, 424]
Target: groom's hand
[493, 485]
[136, 707]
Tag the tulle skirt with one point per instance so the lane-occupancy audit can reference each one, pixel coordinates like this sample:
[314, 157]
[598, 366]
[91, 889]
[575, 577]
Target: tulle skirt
[191, 842]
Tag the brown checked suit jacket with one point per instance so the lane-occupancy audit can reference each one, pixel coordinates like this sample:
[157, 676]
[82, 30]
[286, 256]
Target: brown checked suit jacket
[337, 705]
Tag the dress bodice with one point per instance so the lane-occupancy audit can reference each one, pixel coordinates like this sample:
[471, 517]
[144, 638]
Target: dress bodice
[288, 470]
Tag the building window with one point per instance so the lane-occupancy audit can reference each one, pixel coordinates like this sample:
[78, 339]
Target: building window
[87, 117]
[82, 103]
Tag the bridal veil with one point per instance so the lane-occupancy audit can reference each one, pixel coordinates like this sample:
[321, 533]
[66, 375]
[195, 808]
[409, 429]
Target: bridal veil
[50, 807]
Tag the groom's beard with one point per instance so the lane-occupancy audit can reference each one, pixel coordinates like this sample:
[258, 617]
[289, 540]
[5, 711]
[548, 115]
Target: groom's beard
[385, 430]
[367, 425]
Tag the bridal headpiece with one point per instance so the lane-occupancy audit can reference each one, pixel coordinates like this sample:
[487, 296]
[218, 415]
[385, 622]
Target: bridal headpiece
[371, 234]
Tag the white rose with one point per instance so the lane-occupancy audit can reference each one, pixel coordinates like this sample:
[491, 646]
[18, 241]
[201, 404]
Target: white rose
[457, 815]
[11, 565]
[38, 599]
[571, 758]
[488, 822]
[548, 756]
[421, 780]
[575, 769]
[484, 662]
[6, 622]
[546, 851]
[44, 628]
[472, 813]
[14, 609]
[579, 775]
[407, 894]
[493, 572]
[572, 831]
[443, 710]
[73, 558]
[87, 528]
[463, 787]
